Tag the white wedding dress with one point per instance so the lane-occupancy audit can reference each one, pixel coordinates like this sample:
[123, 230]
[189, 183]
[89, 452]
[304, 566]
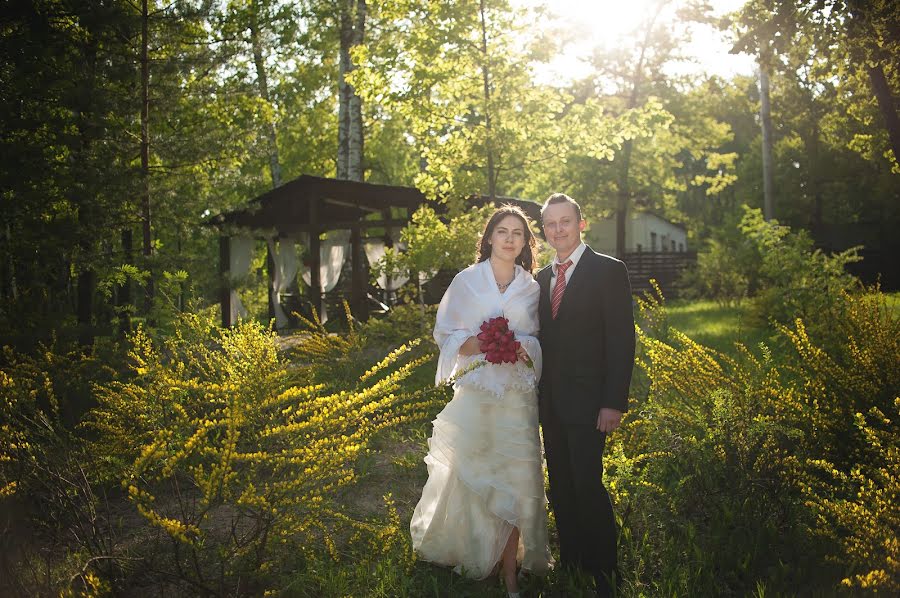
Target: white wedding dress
[484, 456]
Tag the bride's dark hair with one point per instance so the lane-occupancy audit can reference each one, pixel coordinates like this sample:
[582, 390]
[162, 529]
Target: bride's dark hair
[526, 256]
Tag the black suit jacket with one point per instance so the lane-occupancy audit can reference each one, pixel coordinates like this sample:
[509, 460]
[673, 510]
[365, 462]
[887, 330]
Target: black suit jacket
[589, 348]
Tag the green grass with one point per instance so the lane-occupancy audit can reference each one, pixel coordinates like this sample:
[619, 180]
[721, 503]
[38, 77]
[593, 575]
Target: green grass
[716, 326]
[720, 327]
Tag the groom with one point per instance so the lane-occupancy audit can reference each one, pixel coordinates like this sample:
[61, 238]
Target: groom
[587, 337]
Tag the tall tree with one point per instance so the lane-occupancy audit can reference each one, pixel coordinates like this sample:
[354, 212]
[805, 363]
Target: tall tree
[63, 175]
[462, 69]
[623, 198]
[682, 151]
[860, 37]
[350, 122]
[262, 80]
[765, 121]
[486, 77]
[145, 148]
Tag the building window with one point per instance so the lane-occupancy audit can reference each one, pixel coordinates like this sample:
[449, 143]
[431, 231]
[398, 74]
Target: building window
[640, 247]
[681, 247]
[652, 241]
[673, 244]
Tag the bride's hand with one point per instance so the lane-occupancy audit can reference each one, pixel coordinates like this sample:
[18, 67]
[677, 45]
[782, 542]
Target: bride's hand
[523, 354]
[471, 347]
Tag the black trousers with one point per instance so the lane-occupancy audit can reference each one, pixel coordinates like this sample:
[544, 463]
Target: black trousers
[581, 504]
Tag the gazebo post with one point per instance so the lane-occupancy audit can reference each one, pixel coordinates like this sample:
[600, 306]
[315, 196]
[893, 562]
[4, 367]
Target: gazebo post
[270, 276]
[388, 243]
[224, 270]
[358, 283]
[315, 277]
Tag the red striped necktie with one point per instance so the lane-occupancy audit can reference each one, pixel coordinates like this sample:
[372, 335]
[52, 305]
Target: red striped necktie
[559, 288]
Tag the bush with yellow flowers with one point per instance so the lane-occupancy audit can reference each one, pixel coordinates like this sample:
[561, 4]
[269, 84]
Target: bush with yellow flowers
[766, 469]
[47, 479]
[234, 458]
[403, 322]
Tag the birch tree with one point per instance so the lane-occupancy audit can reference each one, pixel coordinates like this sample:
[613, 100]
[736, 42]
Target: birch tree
[350, 120]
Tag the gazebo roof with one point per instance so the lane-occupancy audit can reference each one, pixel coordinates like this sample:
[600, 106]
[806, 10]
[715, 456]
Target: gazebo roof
[288, 208]
[341, 204]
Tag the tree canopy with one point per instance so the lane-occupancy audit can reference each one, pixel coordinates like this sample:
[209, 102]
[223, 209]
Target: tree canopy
[124, 118]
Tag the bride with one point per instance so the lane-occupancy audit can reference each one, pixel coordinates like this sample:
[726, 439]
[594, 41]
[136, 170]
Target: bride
[484, 503]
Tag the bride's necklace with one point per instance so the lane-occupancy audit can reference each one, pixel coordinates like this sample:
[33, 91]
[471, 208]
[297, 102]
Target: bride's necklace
[502, 286]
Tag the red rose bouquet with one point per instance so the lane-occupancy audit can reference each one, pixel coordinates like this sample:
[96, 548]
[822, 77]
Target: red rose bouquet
[498, 342]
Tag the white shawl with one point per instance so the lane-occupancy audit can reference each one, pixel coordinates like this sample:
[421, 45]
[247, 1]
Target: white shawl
[473, 298]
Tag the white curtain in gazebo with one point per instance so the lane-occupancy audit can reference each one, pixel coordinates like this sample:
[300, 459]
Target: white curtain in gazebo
[374, 252]
[284, 256]
[240, 254]
[333, 252]
[426, 276]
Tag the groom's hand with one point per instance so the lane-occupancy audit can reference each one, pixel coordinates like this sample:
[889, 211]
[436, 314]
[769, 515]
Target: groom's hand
[609, 419]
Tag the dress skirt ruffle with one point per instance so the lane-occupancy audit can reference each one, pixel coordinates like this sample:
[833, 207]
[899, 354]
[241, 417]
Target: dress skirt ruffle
[484, 478]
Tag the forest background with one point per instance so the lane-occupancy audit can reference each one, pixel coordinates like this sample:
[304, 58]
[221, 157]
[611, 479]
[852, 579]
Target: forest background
[128, 123]
[125, 128]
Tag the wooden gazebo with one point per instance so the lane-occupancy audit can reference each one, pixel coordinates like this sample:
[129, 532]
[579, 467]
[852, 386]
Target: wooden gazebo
[314, 205]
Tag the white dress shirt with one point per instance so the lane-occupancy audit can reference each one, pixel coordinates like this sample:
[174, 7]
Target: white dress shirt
[576, 255]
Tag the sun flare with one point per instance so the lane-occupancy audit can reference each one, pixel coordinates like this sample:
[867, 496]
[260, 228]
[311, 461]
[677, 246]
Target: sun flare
[587, 25]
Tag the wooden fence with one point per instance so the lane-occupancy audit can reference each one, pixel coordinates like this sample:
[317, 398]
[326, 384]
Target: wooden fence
[663, 266]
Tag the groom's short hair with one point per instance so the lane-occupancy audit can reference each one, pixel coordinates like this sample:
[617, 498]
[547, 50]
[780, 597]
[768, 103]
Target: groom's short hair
[562, 198]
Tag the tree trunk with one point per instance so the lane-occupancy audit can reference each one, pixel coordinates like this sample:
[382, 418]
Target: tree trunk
[145, 151]
[85, 297]
[622, 199]
[10, 291]
[344, 91]
[355, 170]
[624, 196]
[859, 25]
[811, 143]
[887, 105]
[485, 73]
[87, 278]
[766, 122]
[182, 290]
[124, 302]
[262, 80]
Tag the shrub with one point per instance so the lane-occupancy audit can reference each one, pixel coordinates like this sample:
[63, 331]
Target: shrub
[779, 268]
[857, 510]
[718, 275]
[433, 244]
[48, 491]
[211, 464]
[402, 322]
[234, 460]
[726, 471]
[795, 280]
